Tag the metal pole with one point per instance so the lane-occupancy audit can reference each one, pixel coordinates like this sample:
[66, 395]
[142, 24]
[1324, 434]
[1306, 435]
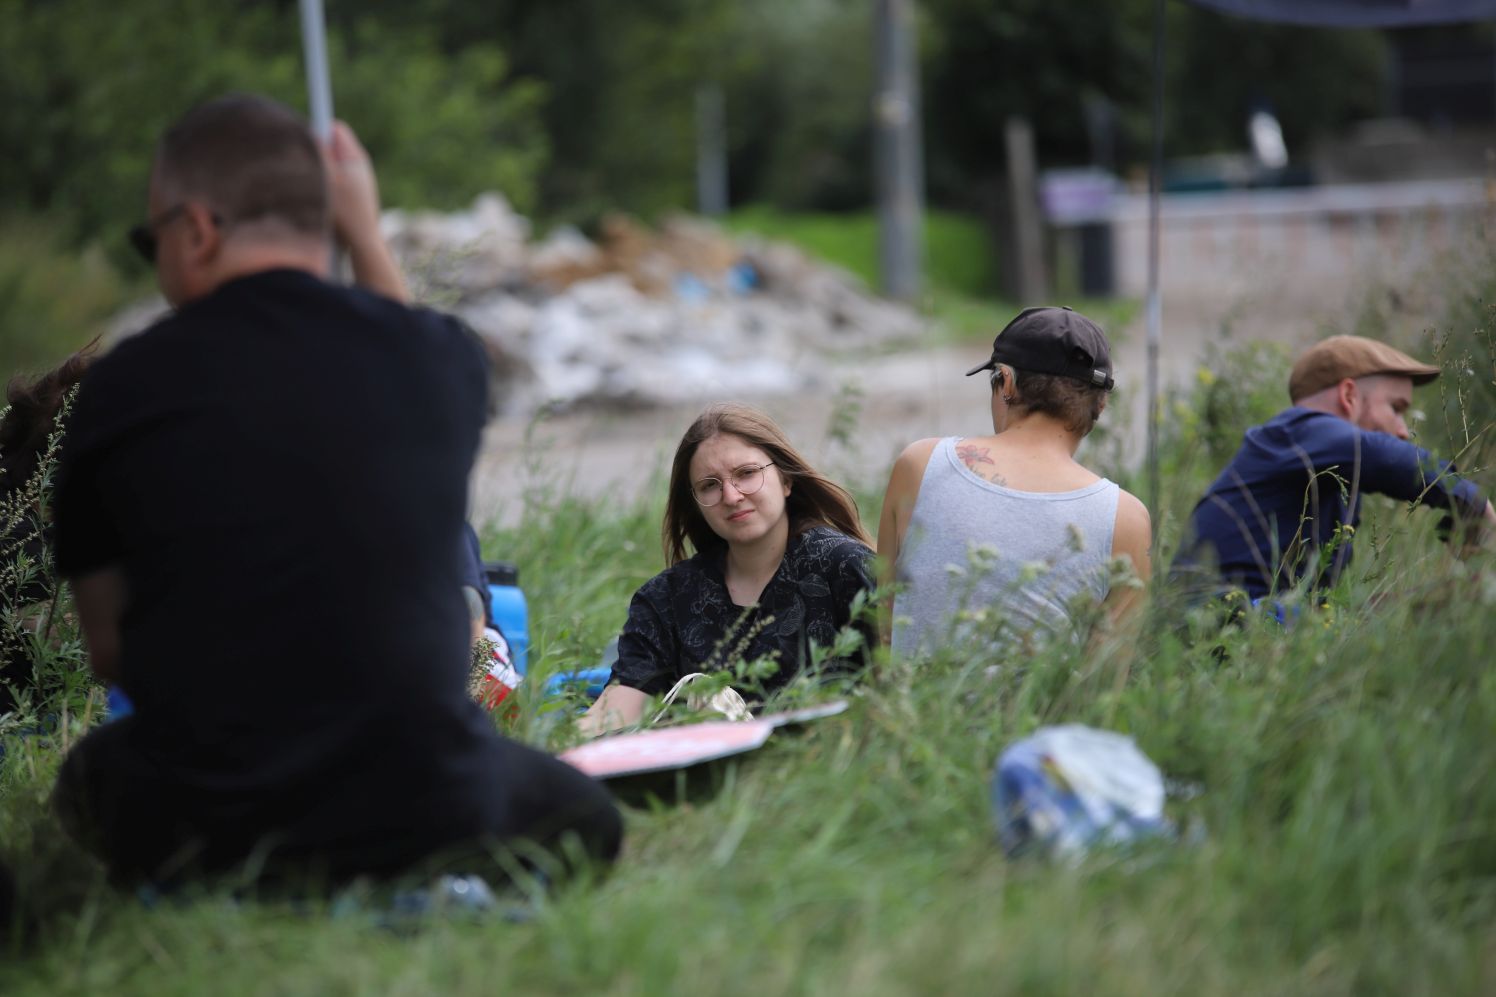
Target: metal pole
[319, 93]
[1155, 302]
[318, 84]
[711, 151]
[897, 151]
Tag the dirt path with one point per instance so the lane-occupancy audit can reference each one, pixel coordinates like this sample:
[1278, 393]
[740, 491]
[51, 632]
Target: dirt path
[902, 396]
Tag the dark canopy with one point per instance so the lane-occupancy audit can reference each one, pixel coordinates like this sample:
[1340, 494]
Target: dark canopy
[1357, 13]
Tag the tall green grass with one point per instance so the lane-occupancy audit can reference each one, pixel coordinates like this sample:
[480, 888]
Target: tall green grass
[958, 252]
[960, 264]
[1332, 782]
[1340, 826]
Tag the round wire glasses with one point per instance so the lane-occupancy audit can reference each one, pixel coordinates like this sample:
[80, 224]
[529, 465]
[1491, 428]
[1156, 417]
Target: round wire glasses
[746, 480]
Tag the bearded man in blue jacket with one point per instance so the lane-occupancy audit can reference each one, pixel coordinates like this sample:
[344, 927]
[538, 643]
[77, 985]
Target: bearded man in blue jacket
[1289, 501]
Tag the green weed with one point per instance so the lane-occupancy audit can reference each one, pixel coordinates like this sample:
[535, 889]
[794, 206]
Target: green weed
[1347, 829]
[1332, 779]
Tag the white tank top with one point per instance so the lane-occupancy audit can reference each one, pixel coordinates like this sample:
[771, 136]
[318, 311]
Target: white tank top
[983, 562]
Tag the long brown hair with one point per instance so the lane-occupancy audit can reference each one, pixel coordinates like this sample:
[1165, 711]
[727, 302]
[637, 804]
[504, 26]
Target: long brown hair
[31, 407]
[814, 499]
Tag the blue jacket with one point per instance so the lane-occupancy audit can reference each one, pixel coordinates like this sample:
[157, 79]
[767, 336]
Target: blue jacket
[1296, 480]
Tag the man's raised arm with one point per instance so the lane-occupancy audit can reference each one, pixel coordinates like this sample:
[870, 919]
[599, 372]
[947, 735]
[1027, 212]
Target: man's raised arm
[354, 193]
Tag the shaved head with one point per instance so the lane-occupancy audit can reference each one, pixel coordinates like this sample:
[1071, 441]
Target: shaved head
[251, 159]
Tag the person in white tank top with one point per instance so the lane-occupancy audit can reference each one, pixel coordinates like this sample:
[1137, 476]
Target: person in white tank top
[1043, 529]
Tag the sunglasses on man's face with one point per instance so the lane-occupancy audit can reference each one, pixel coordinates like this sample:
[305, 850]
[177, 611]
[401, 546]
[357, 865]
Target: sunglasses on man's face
[143, 236]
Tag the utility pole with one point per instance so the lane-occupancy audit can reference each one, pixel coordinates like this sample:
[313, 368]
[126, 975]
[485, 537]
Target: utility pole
[711, 151]
[1028, 225]
[898, 150]
[1154, 306]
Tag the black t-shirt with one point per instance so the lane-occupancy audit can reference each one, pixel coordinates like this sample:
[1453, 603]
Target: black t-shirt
[470, 557]
[683, 620]
[280, 469]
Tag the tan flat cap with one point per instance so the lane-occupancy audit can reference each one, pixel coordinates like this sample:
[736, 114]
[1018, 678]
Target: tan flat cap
[1332, 360]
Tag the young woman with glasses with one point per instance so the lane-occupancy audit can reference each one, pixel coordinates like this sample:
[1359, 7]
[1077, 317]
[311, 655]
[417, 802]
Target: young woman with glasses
[780, 555]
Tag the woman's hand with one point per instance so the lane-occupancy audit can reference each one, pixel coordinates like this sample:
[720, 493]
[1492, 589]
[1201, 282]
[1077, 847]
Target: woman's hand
[618, 707]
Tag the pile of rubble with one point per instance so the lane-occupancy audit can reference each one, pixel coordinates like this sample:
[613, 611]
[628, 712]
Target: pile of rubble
[639, 316]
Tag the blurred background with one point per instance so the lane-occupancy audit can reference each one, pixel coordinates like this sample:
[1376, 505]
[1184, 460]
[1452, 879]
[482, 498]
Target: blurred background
[651, 203]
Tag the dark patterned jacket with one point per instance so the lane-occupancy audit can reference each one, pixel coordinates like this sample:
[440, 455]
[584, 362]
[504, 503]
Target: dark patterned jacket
[683, 620]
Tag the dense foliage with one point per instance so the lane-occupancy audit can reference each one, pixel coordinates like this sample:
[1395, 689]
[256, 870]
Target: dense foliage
[1083, 77]
[574, 108]
[90, 83]
[591, 106]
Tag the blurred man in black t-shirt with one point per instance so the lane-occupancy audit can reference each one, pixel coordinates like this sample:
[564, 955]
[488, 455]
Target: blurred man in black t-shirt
[259, 508]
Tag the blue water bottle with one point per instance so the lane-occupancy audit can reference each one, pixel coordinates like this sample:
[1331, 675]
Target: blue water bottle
[117, 705]
[507, 604]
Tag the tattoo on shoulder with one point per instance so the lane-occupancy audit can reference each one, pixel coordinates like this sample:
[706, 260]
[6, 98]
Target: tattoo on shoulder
[974, 457]
[971, 455]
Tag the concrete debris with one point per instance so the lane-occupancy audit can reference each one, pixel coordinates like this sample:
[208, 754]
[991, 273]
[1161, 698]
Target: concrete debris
[464, 253]
[640, 317]
[565, 257]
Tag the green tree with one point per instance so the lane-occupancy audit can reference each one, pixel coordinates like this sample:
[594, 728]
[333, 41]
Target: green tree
[1313, 79]
[89, 83]
[986, 62]
[622, 80]
[800, 109]
[442, 128]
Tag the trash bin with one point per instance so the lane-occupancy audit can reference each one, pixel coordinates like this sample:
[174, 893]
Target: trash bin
[1077, 204]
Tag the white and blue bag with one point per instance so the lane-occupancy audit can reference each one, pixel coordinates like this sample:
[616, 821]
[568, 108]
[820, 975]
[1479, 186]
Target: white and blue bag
[1066, 789]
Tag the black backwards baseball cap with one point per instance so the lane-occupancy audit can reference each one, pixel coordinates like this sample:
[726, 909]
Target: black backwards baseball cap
[1049, 340]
